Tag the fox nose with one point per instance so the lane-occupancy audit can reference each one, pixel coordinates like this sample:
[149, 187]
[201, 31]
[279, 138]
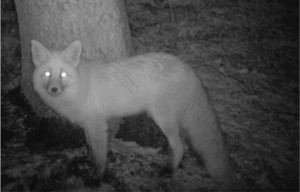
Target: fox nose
[54, 90]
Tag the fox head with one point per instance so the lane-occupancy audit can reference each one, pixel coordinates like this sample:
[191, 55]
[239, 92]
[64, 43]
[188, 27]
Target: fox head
[55, 71]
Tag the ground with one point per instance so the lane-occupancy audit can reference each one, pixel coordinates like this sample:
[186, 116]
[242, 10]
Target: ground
[247, 55]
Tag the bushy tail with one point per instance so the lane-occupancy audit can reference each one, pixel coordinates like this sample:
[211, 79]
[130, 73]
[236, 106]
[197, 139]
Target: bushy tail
[206, 140]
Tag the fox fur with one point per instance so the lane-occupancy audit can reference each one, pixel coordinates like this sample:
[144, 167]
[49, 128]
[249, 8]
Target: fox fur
[167, 89]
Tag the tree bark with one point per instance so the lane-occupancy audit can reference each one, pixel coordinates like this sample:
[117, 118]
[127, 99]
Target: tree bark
[100, 25]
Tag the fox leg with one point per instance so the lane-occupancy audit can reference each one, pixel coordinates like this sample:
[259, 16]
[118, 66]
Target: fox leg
[97, 138]
[170, 128]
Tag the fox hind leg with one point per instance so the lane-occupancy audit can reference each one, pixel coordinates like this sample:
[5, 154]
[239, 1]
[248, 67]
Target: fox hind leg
[170, 128]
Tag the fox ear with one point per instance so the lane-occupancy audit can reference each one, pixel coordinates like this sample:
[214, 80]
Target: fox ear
[40, 54]
[72, 53]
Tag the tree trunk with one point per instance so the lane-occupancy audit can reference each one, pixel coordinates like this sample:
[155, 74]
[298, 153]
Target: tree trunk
[100, 25]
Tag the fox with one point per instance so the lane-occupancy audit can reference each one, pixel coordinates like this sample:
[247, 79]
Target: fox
[89, 93]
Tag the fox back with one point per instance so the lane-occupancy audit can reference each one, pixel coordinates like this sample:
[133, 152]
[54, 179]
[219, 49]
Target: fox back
[168, 90]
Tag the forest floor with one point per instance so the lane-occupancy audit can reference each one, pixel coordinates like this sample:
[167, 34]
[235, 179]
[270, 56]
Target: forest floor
[247, 55]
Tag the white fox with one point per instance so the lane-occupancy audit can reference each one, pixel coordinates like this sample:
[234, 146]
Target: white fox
[168, 90]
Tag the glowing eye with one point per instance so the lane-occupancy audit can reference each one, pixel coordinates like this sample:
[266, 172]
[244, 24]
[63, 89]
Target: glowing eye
[63, 74]
[47, 74]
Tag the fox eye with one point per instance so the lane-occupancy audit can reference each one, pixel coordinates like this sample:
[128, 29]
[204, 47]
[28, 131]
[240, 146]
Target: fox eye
[47, 74]
[63, 74]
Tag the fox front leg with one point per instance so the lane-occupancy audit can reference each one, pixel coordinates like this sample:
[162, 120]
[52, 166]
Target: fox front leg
[97, 138]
